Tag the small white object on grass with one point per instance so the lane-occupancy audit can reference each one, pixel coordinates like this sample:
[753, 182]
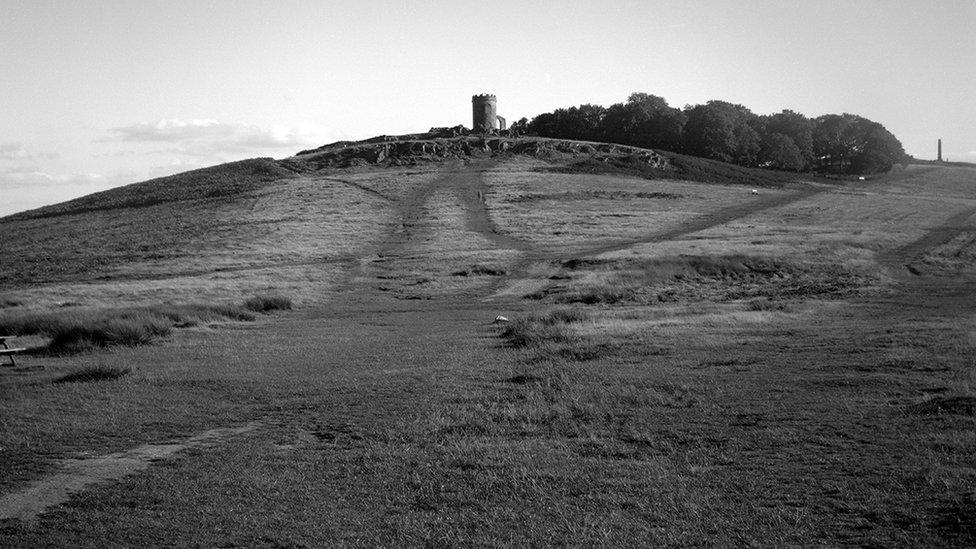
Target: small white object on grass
[755, 191]
[860, 178]
[499, 319]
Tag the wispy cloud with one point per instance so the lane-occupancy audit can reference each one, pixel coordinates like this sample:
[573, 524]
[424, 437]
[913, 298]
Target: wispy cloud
[26, 176]
[208, 137]
[17, 152]
[26, 189]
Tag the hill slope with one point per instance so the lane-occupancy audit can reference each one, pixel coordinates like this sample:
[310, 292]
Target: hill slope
[687, 362]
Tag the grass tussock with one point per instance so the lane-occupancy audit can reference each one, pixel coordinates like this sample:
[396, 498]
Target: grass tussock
[82, 329]
[543, 329]
[131, 330]
[94, 373]
[551, 337]
[268, 302]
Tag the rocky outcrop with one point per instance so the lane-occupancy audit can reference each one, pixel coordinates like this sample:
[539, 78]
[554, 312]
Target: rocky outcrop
[405, 150]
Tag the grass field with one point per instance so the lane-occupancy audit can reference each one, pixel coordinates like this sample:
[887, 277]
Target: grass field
[685, 363]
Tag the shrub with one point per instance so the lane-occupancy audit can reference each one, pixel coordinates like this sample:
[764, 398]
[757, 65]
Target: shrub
[270, 302]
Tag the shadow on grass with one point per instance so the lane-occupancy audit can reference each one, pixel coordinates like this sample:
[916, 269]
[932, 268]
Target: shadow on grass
[718, 278]
[93, 373]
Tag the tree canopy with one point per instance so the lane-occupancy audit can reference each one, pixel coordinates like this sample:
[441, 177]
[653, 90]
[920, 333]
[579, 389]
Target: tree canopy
[720, 130]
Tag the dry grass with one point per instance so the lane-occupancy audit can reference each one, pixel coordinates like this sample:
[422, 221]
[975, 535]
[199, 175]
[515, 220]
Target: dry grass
[293, 236]
[683, 278]
[75, 330]
[719, 418]
[570, 209]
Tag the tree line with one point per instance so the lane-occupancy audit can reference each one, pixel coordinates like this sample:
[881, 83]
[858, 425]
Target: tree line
[835, 143]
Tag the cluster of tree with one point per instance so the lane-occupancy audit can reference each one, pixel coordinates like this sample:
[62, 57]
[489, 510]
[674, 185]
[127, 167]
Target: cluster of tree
[840, 143]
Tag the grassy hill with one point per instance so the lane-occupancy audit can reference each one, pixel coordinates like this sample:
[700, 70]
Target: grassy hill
[694, 353]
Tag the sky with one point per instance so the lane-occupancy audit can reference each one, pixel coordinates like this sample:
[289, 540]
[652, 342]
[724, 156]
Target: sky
[97, 94]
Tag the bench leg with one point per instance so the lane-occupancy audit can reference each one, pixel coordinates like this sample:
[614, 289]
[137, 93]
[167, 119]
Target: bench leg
[10, 356]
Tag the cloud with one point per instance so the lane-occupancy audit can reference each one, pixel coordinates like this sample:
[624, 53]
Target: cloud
[13, 151]
[209, 137]
[17, 152]
[26, 176]
[32, 189]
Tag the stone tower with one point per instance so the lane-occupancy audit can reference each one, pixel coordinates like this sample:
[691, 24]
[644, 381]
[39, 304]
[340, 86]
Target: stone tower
[485, 108]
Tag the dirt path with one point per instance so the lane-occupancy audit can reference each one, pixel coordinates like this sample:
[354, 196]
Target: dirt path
[364, 188]
[707, 221]
[900, 259]
[75, 475]
[470, 187]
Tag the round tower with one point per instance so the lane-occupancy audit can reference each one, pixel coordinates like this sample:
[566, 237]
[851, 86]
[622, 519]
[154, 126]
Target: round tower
[485, 108]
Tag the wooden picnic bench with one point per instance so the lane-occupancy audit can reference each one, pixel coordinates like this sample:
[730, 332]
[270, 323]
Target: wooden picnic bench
[8, 351]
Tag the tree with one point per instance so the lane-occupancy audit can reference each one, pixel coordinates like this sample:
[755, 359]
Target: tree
[746, 145]
[520, 127]
[849, 143]
[572, 123]
[780, 152]
[797, 127]
[658, 125]
[876, 149]
[722, 131]
[729, 132]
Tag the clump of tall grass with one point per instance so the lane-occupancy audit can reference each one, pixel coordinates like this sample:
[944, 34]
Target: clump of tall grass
[192, 314]
[268, 302]
[77, 335]
[80, 329]
[545, 328]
